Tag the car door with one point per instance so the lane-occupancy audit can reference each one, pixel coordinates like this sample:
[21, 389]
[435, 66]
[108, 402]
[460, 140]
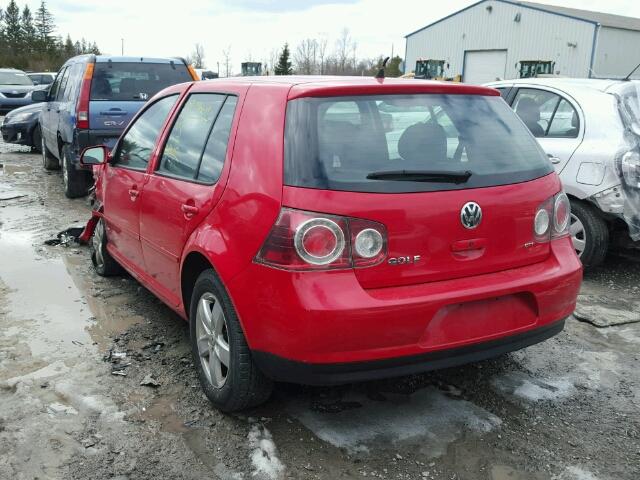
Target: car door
[49, 118]
[554, 119]
[185, 185]
[124, 180]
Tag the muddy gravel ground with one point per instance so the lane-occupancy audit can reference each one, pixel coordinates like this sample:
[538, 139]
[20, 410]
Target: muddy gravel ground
[75, 347]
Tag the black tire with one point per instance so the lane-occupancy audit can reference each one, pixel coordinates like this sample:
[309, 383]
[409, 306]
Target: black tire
[103, 263]
[595, 234]
[36, 139]
[244, 384]
[76, 182]
[49, 162]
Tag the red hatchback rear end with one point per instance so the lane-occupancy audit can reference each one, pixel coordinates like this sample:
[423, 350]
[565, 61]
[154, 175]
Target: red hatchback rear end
[359, 229]
[421, 227]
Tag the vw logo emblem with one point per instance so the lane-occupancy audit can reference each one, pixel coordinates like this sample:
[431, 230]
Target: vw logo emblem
[471, 215]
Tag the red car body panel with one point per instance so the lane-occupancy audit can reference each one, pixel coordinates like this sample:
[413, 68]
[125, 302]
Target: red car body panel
[469, 287]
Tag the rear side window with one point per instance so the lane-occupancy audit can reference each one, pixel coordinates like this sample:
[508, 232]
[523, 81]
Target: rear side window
[330, 145]
[134, 81]
[137, 144]
[546, 114]
[197, 144]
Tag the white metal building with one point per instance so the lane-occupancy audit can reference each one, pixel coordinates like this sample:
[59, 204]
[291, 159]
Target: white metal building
[487, 40]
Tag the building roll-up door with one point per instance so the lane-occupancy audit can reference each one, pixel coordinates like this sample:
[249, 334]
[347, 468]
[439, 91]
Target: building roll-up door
[482, 66]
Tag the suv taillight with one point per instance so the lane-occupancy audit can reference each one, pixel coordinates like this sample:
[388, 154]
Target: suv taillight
[552, 218]
[82, 109]
[301, 240]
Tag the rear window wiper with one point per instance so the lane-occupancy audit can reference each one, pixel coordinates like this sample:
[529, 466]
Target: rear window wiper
[422, 176]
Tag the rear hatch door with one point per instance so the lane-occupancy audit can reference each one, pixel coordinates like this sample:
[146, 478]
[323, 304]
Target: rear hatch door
[455, 179]
[120, 87]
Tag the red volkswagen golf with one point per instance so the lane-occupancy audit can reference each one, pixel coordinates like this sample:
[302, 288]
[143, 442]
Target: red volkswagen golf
[330, 230]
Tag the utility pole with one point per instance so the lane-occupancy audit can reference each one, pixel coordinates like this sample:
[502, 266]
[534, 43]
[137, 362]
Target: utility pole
[122, 46]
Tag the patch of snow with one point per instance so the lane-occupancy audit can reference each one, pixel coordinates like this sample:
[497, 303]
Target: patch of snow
[91, 404]
[264, 454]
[427, 417]
[57, 408]
[534, 389]
[575, 473]
[52, 370]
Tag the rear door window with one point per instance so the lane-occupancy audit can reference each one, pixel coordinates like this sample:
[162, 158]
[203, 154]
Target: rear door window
[137, 144]
[196, 146]
[118, 81]
[341, 143]
[546, 114]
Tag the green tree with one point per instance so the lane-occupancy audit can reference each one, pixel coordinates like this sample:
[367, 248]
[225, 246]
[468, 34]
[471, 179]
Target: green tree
[45, 27]
[13, 32]
[283, 67]
[29, 36]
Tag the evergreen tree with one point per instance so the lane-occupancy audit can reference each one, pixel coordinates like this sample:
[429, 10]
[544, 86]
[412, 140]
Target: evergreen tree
[29, 37]
[69, 49]
[283, 67]
[12, 31]
[45, 27]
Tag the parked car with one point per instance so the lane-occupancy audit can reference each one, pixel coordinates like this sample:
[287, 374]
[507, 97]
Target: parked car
[21, 126]
[590, 130]
[307, 242]
[42, 78]
[91, 101]
[15, 89]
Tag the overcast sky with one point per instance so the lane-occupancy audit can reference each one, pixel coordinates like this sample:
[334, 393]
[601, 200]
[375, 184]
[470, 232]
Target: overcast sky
[253, 28]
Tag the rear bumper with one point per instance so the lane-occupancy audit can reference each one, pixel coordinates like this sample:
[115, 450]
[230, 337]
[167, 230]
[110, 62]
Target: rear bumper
[283, 370]
[319, 319]
[90, 138]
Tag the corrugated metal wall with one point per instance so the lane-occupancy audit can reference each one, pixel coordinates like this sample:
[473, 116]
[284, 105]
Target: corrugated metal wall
[617, 53]
[536, 36]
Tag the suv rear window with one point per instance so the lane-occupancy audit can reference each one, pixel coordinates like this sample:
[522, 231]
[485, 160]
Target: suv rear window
[134, 81]
[335, 143]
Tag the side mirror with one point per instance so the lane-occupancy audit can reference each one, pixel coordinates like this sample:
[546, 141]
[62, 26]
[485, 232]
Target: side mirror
[39, 96]
[94, 155]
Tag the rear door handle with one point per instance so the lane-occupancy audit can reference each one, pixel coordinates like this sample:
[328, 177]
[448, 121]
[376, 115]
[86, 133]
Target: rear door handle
[189, 210]
[554, 160]
[113, 113]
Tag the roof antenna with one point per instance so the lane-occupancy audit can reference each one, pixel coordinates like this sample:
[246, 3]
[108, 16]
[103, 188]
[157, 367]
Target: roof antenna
[628, 77]
[380, 73]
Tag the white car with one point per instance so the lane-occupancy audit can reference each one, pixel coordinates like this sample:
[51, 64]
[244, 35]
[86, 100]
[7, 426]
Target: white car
[590, 129]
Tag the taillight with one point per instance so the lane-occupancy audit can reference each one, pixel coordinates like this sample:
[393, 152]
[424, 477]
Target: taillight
[82, 109]
[552, 218]
[301, 240]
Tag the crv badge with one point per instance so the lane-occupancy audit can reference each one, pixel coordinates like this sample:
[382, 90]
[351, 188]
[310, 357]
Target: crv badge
[471, 215]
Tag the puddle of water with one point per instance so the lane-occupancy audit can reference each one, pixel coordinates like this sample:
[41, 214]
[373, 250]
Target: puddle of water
[13, 169]
[428, 418]
[43, 295]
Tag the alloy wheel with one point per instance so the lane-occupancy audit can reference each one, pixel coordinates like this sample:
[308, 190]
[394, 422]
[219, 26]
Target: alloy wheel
[97, 243]
[578, 235]
[213, 340]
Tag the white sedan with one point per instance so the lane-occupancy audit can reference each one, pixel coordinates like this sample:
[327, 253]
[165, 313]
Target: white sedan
[590, 129]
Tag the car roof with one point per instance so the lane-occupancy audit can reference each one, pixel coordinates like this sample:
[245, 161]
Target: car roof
[568, 84]
[313, 85]
[13, 70]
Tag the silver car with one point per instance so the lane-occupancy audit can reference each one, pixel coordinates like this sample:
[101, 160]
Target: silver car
[590, 129]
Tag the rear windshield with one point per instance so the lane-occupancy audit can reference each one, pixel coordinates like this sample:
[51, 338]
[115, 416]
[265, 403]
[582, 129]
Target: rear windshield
[14, 78]
[335, 143]
[135, 81]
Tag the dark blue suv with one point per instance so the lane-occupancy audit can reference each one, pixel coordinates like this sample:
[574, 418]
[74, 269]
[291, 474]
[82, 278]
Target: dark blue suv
[91, 101]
